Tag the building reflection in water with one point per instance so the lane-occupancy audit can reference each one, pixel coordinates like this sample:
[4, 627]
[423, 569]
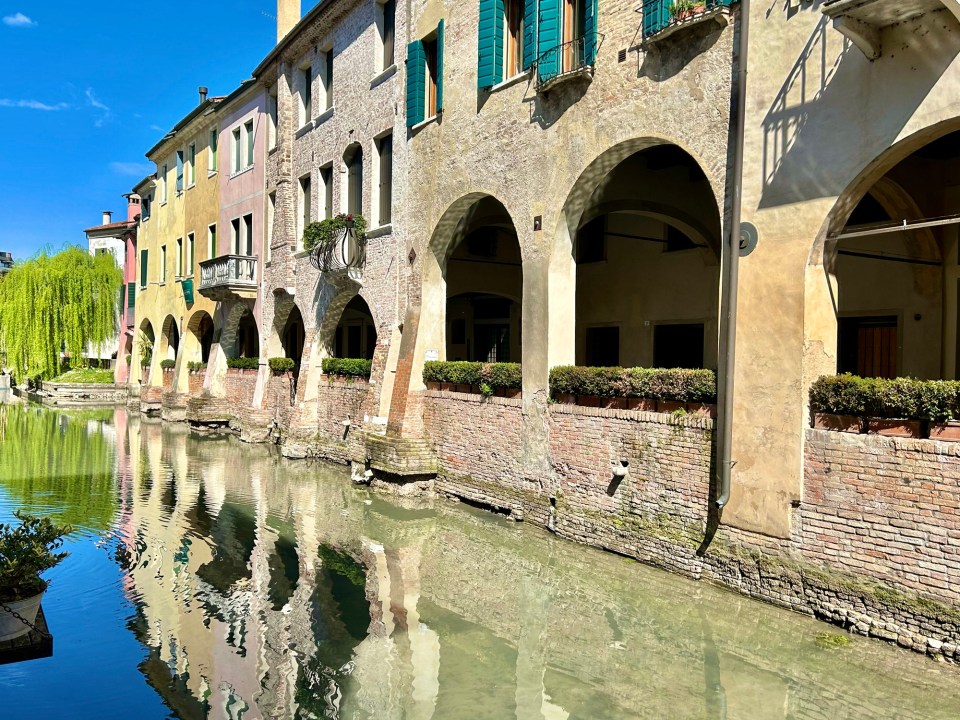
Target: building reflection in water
[268, 588]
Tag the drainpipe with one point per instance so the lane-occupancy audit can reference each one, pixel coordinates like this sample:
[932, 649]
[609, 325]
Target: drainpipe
[725, 462]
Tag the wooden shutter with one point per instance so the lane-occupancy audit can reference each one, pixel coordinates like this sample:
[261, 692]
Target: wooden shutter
[529, 33]
[490, 44]
[548, 39]
[590, 32]
[416, 83]
[656, 16]
[143, 268]
[131, 296]
[440, 66]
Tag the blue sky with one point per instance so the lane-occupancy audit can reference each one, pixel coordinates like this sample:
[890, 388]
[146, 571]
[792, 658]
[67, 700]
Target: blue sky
[89, 87]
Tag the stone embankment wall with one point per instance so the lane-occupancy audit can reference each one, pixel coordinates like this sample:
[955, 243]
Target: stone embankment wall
[874, 540]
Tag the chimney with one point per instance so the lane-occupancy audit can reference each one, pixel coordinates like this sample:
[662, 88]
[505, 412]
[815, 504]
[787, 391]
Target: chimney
[107, 215]
[133, 206]
[203, 94]
[288, 15]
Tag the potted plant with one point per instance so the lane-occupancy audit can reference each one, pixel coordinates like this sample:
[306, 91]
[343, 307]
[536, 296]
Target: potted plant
[26, 551]
[681, 9]
[837, 403]
[281, 365]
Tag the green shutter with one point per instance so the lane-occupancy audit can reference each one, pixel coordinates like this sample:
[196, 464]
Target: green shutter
[529, 33]
[187, 287]
[440, 67]
[590, 33]
[490, 44]
[656, 16]
[548, 39]
[143, 268]
[416, 83]
[131, 295]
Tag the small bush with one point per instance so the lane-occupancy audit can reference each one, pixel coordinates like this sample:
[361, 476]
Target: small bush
[676, 384]
[281, 364]
[347, 367]
[502, 375]
[459, 372]
[168, 364]
[243, 363]
[906, 398]
[327, 231]
[194, 366]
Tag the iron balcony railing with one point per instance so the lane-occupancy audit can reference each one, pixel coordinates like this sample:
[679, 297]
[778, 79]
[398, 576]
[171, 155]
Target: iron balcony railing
[574, 57]
[658, 15]
[229, 271]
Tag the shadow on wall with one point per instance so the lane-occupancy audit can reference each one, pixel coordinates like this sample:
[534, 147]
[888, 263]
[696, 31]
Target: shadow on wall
[798, 128]
[665, 59]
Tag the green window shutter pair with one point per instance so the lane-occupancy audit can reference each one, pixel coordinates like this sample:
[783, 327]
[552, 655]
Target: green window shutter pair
[417, 79]
[143, 268]
[548, 39]
[490, 44]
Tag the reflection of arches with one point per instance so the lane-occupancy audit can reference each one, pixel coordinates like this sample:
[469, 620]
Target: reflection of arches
[169, 339]
[640, 272]
[356, 332]
[200, 328]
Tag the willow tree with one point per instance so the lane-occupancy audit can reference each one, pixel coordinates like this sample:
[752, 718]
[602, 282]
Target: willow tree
[64, 303]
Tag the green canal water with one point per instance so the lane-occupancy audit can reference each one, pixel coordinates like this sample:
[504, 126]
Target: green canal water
[212, 579]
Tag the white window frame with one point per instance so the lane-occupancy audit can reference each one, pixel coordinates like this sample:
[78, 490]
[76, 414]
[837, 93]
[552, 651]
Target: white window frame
[236, 148]
[305, 78]
[273, 117]
[191, 163]
[326, 66]
[212, 249]
[380, 63]
[213, 151]
[303, 217]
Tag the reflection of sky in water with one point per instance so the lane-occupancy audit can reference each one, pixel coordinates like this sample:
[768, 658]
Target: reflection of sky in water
[214, 579]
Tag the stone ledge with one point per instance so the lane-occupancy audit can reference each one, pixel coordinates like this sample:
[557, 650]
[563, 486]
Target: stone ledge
[871, 441]
[691, 421]
[473, 398]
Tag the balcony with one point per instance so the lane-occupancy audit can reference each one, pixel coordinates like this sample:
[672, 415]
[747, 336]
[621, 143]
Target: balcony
[228, 277]
[571, 60]
[861, 21]
[663, 18]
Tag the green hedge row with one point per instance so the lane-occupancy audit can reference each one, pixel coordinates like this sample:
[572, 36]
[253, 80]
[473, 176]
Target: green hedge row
[243, 363]
[281, 364]
[349, 367]
[194, 366]
[168, 364]
[458, 372]
[904, 398]
[676, 384]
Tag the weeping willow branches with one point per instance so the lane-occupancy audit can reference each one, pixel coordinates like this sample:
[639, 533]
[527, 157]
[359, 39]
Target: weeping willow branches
[52, 304]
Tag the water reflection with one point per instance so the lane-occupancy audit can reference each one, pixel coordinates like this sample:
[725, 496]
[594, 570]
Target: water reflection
[264, 588]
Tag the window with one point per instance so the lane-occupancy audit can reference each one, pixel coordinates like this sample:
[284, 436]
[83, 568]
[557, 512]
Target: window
[507, 35]
[248, 132]
[179, 268]
[513, 38]
[143, 268]
[271, 214]
[354, 161]
[163, 184]
[145, 208]
[678, 346]
[868, 346]
[386, 27]
[212, 249]
[326, 66]
[305, 199]
[235, 236]
[272, 118]
[191, 254]
[237, 160]
[385, 188]
[192, 164]
[214, 143]
[558, 26]
[425, 77]
[247, 247]
[602, 347]
[179, 171]
[326, 183]
[306, 94]
[163, 264]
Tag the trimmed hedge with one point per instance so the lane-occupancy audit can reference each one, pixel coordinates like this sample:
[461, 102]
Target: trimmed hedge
[243, 363]
[194, 366]
[347, 367]
[460, 372]
[676, 384]
[902, 398]
[168, 364]
[281, 364]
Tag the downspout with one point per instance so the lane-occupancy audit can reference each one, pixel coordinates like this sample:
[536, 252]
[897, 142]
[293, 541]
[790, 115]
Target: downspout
[725, 462]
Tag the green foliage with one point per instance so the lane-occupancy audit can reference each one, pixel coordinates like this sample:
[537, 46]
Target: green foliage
[168, 364]
[458, 372]
[26, 550]
[146, 349]
[327, 231]
[832, 641]
[127, 358]
[486, 389]
[906, 398]
[347, 367]
[85, 375]
[65, 302]
[502, 375]
[243, 363]
[281, 364]
[680, 7]
[341, 563]
[194, 366]
[676, 384]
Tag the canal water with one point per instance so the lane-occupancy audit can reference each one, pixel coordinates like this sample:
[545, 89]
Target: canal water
[212, 579]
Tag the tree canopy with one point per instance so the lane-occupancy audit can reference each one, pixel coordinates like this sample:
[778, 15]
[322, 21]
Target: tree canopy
[55, 303]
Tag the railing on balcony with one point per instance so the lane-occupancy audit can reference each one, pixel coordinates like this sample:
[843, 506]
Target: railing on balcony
[659, 15]
[228, 275]
[574, 58]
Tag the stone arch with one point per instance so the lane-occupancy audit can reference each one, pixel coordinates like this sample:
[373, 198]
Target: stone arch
[169, 339]
[644, 201]
[328, 321]
[240, 334]
[283, 305]
[199, 337]
[144, 347]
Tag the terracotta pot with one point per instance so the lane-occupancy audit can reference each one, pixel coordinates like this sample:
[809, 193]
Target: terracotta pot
[838, 423]
[449, 387]
[10, 627]
[702, 409]
[498, 392]
[949, 430]
[589, 400]
[475, 389]
[698, 9]
[433, 385]
[614, 403]
[512, 392]
[893, 428]
[642, 404]
[566, 398]
[461, 387]
[670, 406]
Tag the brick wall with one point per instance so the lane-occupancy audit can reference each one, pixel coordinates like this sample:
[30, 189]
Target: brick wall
[195, 381]
[240, 386]
[340, 401]
[168, 380]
